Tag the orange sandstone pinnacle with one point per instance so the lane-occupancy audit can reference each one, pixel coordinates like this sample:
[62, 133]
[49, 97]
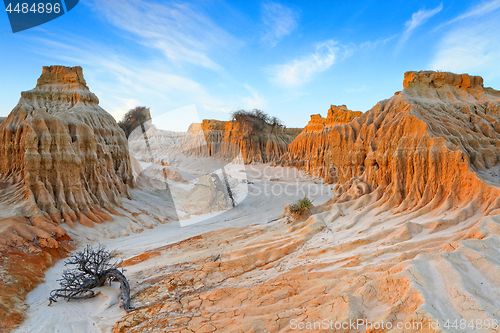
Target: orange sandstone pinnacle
[65, 158]
[337, 114]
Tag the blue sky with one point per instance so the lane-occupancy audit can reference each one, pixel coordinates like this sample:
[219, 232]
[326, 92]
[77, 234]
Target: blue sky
[290, 58]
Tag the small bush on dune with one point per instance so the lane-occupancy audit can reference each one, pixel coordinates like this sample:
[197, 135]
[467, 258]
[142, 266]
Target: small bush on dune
[301, 206]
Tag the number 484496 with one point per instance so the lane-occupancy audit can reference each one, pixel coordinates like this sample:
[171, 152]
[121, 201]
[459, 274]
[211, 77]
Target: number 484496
[37, 8]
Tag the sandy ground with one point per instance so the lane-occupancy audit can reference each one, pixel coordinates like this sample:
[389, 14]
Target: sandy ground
[262, 193]
[429, 270]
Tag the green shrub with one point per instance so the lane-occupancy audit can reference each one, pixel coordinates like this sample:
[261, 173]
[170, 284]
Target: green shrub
[301, 205]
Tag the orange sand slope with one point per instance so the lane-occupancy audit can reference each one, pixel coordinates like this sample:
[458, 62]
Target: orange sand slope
[410, 238]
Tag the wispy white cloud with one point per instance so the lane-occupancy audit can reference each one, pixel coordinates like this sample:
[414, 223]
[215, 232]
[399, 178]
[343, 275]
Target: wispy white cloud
[376, 43]
[279, 21]
[254, 101]
[417, 19]
[473, 45]
[179, 30]
[118, 110]
[357, 90]
[299, 71]
[479, 10]
[120, 81]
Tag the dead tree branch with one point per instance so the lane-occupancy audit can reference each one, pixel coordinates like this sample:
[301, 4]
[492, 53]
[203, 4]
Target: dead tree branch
[91, 269]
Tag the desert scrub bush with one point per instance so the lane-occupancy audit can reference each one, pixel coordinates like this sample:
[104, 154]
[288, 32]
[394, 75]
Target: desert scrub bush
[256, 120]
[301, 206]
[134, 118]
[92, 268]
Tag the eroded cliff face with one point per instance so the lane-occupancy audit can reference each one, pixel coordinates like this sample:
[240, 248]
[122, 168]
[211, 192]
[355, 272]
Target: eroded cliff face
[63, 158]
[257, 142]
[436, 141]
[336, 115]
[340, 114]
[310, 143]
[225, 140]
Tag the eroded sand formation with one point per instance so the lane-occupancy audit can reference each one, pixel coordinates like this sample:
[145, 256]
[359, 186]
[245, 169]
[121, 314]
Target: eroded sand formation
[313, 136]
[62, 154]
[411, 235]
[157, 145]
[436, 143]
[63, 159]
[222, 140]
[226, 139]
